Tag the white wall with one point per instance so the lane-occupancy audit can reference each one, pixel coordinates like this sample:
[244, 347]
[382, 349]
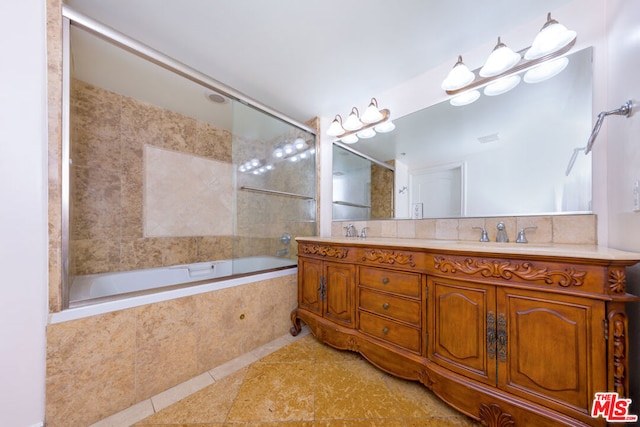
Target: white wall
[23, 213]
[622, 136]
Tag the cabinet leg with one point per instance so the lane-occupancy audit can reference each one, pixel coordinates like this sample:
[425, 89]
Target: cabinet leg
[296, 328]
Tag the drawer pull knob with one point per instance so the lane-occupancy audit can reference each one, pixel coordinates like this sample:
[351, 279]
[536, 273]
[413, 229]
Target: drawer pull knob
[385, 331]
[385, 306]
[385, 281]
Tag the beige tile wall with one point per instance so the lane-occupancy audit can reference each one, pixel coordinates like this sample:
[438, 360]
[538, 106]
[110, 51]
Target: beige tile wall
[54, 186]
[566, 229]
[100, 365]
[108, 133]
[381, 191]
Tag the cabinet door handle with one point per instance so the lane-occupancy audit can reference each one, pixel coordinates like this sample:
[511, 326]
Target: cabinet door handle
[491, 335]
[385, 306]
[385, 280]
[385, 331]
[501, 338]
[323, 288]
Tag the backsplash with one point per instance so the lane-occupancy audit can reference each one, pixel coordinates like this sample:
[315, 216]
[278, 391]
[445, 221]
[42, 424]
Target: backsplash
[567, 229]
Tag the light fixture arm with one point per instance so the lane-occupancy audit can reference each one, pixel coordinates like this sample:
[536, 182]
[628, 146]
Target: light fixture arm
[624, 110]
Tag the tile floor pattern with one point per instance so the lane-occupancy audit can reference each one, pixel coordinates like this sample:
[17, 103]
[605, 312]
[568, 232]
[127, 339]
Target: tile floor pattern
[309, 384]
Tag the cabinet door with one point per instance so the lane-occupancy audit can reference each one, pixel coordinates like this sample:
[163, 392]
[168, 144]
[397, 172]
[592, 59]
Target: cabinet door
[555, 348]
[339, 293]
[309, 280]
[462, 325]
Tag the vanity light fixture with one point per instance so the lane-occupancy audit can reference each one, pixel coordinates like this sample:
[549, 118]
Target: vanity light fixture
[353, 122]
[500, 72]
[458, 77]
[373, 120]
[502, 59]
[372, 114]
[336, 127]
[552, 37]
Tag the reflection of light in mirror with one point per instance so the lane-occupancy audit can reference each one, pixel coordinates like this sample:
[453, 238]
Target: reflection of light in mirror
[546, 70]
[502, 85]
[465, 98]
[385, 127]
[366, 133]
[350, 139]
[300, 144]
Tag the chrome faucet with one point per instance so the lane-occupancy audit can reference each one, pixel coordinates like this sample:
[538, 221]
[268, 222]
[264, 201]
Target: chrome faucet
[349, 232]
[521, 237]
[483, 236]
[502, 234]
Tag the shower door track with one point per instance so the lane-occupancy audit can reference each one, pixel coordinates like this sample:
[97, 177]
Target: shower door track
[147, 52]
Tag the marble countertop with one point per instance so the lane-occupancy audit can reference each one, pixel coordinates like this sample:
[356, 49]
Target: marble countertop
[524, 249]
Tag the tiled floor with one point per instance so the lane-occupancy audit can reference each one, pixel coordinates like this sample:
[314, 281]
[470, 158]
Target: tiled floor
[308, 384]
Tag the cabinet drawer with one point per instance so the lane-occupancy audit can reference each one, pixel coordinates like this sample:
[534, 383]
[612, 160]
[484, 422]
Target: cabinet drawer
[388, 330]
[391, 281]
[390, 306]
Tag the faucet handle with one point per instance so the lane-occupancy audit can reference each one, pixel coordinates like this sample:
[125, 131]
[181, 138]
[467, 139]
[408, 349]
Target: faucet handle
[521, 236]
[363, 233]
[483, 235]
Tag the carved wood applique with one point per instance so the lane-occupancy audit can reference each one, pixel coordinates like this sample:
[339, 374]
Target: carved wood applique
[328, 251]
[617, 281]
[353, 345]
[505, 270]
[619, 333]
[425, 378]
[388, 257]
[493, 416]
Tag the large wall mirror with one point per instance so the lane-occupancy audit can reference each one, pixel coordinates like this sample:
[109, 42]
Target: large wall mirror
[502, 155]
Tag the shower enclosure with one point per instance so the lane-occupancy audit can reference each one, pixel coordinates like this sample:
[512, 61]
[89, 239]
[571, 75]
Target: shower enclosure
[167, 167]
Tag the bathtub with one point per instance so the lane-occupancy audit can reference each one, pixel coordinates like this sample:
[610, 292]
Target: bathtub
[113, 285]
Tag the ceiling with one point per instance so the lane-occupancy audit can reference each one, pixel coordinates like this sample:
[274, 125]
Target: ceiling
[308, 58]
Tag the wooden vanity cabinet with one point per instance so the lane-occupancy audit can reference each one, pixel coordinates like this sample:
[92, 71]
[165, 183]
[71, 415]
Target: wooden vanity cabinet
[509, 340]
[546, 348]
[390, 307]
[327, 289]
